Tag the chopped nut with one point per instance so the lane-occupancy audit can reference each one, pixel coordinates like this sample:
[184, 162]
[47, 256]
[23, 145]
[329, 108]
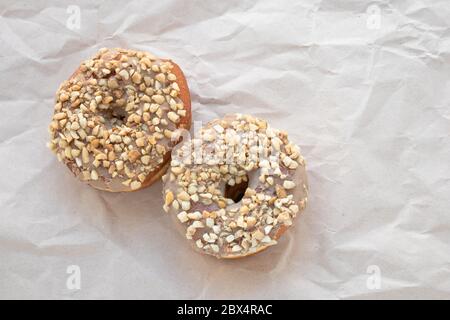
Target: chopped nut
[281, 192]
[140, 142]
[135, 185]
[160, 149]
[251, 221]
[217, 229]
[229, 238]
[209, 222]
[75, 126]
[124, 74]
[267, 229]
[101, 156]
[148, 81]
[113, 84]
[199, 243]
[159, 99]
[173, 117]
[240, 222]
[146, 61]
[258, 235]
[83, 122]
[208, 137]
[186, 205]
[59, 116]
[133, 155]
[75, 153]
[126, 140]
[175, 86]
[192, 189]
[197, 224]
[136, 78]
[219, 128]
[244, 210]
[115, 138]
[294, 165]
[168, 134]
[111, 156]
[155, 68]
[63, 97]
[236, 248]
[94, 175]
[127, 182]
[183, 196]
[195, 215]
[85, 155]
[169, 198]
[190, 231]
[266, 239]
[154, 107]
[177, 170]
[145, 159]
[68, 152]
[183, 217]
[294, 208]
[119, 165]
[289, 185]
[107, 99]
[160, 77]
[146, 98]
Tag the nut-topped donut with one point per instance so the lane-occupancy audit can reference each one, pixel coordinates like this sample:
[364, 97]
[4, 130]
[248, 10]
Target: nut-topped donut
[115, 118]
[237, 187]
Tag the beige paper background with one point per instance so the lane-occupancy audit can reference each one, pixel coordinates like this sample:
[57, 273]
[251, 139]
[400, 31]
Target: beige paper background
[368, 103]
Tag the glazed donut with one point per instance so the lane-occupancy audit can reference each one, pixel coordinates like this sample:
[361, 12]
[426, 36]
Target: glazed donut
[116, 119]
[236, 188]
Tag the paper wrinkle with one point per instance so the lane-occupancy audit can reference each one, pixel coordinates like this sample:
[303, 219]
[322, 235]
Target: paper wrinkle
[369, 108]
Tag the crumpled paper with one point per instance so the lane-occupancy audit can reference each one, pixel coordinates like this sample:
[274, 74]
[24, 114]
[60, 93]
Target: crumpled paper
[362, 87]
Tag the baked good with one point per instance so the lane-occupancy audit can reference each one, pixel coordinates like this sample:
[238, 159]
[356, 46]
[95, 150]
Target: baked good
[236, 188]
[116, 119]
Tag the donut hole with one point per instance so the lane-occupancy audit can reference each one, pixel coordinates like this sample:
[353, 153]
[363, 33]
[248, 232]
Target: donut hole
[237, 191]
[114, 116]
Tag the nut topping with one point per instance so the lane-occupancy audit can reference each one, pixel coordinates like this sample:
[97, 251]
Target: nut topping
[232, 151]
[111, 119]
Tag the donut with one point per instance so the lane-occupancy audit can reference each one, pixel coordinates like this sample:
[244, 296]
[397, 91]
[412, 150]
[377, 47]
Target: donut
[235, 188]
[116, 119]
